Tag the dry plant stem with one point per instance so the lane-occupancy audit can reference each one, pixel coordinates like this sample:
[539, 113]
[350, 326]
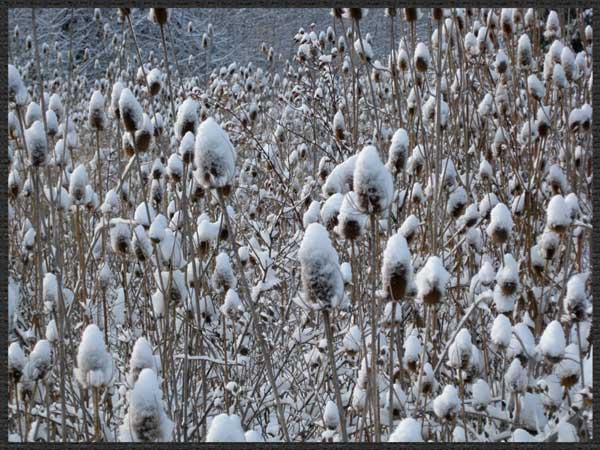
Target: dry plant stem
[164, 45]
[423, 353]
[335, 380]
[255, 319]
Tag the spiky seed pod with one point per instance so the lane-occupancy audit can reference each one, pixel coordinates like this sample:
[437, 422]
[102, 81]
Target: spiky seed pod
[35, 136]
[411, 14]
[372, 182]
[524, 51]
[431, 281]
[143, 136]
[321, 276]
[214, 156]
[130, 111]
[120, 237]
[159, 15]
[397, 267]
[422, 57]
[335, 12]
[501, 224]
[355, 14]
[96, 116]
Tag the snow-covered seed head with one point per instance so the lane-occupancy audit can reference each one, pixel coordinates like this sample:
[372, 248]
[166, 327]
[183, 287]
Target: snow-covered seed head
[225, 428]
[524, 51]
[142, 246]
[446, 405]
[37, 145]
[146, 420]
[17, 91]
[506, 21]
[372, 181]
[143, 136]
[552, 343]
[339, 125]
[535, 87]
[501, 62]
[459, 352]
[186, 147]
[482, 395]
[412, 351]
[501, 224]
[232, 305]
[96, 115]
[16, 361]
[141, 358]
[552, 26]
[351, 221]
[214, 156]
[558, 214]
[431, 281]
[78, 182]
[398, 152]
[130, 111]
[397, 267]
[457, 200]
[94, 363]
[548, 243]
[154, 80]
[187, 117]
[568, 369]
[331, 416]
[120, 237]
[422, 57]
[516, 376]
[508, 276]
[34, 112]
[411, 14]
[409, 228]
[321, 277]
[408, 430]
[40, 361]
[223, 277]
[159, 15]
[575, 303]
[50, 288]
[117, 89]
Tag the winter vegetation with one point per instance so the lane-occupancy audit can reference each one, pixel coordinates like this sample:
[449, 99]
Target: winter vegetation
[383, 235]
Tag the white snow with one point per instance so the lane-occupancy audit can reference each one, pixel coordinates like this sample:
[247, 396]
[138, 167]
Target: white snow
[35, 137]
[16, 357]
[331, 416]
[214, 155]
[340, 178]
[373, 183]
[447, 403]
[482, 395]
[77, 184]
[432, 278]
[146, 420]
[397, 266]
[225, 428]
[130, 111]
[94, 363]
[500, 222]
[501, 332]
[187, 117]
[321, 276]
[398, 152]
[408, 430]
[516, 376]
[558, 215]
